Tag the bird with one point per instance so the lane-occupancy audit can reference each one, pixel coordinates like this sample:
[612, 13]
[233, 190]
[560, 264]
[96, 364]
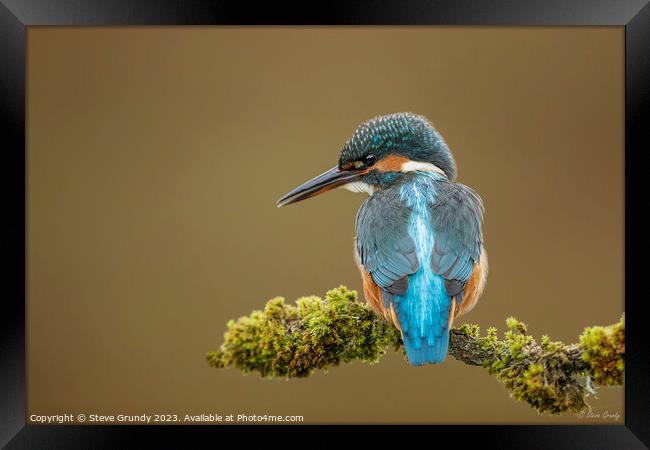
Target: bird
[419, 234]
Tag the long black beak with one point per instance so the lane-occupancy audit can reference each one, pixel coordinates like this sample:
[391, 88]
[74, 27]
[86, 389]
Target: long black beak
[324, 182]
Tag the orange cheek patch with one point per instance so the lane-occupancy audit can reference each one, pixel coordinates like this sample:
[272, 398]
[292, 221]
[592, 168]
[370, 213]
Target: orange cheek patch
[391, 163]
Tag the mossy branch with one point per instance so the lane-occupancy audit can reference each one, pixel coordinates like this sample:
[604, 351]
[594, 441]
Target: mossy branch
[286, 340]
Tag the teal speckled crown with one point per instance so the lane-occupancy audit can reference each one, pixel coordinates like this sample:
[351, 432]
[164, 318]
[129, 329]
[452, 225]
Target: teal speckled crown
[410, 135]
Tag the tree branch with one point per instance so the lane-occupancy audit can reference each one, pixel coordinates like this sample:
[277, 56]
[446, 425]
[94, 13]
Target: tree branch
[288, 341]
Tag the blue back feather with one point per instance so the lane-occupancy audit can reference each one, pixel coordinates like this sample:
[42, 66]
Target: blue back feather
[425, 230]
[423, 310]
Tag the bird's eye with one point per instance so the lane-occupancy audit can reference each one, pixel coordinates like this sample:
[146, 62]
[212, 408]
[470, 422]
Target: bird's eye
[369, 160]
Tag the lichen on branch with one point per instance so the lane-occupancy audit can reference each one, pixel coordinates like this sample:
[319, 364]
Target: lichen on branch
[287, 340]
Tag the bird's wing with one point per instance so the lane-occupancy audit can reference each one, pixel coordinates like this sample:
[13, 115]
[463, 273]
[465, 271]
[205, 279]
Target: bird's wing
[385, 249]
[456, 218]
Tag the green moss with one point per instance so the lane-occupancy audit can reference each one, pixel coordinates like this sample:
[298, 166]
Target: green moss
[604, 352]
[293, 340]
[492, 335]
[286, 340]
[536, 374]
[470, 330]
[516, 326]
[511, 348]
[545, 341]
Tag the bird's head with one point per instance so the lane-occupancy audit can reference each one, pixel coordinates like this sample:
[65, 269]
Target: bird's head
[379, 153]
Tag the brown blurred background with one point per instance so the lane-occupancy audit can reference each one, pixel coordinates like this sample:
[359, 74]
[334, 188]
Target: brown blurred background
[156, 155]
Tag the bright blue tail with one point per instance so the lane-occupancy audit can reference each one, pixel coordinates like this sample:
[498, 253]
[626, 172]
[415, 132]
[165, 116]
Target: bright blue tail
[423, 315]
[421, 351]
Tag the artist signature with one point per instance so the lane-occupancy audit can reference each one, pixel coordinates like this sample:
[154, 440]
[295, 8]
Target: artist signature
[602, 415]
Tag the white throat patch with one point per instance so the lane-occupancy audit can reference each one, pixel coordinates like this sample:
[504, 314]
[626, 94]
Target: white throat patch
[359, 186]
[419, 166]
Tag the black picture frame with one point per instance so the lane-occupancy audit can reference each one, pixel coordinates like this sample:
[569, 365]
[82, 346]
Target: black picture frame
[17, 15]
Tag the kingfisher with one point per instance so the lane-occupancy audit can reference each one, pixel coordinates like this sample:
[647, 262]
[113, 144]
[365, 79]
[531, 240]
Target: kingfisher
[419, 239]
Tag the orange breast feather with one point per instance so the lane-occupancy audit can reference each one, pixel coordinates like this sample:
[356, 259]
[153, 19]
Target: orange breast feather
[374, 295]
[475, 285]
